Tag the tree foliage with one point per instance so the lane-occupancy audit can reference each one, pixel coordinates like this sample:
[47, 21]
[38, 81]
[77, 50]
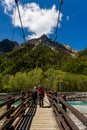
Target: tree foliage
[54, 79]
[25, 68]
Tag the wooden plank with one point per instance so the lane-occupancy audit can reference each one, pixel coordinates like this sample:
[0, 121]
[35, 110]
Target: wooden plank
[44, 118]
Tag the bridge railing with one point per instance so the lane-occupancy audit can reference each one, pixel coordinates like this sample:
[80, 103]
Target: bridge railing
[13, 113]
[63, 119]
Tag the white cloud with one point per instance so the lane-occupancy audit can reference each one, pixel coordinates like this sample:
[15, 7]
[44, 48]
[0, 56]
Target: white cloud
[8, 5]
[67, 18]
[36, 20]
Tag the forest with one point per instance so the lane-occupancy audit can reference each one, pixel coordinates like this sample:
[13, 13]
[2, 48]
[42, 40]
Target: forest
[24, 68]
[54, 79]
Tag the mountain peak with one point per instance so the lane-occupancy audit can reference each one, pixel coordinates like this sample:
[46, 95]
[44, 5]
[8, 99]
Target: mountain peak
[5, 40]
[7, 46]
[44, 36]
[55, 46]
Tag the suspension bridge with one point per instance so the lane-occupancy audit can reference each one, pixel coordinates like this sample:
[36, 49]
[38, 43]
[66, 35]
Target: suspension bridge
[28, 116]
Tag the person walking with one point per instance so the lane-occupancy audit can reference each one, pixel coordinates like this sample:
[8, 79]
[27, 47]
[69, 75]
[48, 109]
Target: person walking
[41, 94]
[34, 95]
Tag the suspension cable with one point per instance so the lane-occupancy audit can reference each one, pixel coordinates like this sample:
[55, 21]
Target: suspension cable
[61, 2]
[23, 35]
[14, 24]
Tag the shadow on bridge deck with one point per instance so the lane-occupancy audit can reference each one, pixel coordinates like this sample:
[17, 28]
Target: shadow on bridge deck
[44, 118]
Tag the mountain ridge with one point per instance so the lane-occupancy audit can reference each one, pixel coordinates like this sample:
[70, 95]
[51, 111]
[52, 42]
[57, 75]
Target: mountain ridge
[8, 46]
[55, 46]
[42, 53]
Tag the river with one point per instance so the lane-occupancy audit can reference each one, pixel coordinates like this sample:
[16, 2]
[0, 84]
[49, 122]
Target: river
[81, 107]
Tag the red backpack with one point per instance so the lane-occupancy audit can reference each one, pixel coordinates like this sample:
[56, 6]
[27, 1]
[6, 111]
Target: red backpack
[41, 91]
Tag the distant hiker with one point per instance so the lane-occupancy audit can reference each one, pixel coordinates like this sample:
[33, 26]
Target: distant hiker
[34, 95]
[41, 94]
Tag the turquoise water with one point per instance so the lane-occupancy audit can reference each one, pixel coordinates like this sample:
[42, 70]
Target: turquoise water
[70, 102]
[16, 103]
[78, 103]
[1, 101]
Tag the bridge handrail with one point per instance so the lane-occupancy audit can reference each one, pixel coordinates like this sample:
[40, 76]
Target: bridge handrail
[79, 115]
[54, 102]
[57, 110]
[6, 102]
[12, 111]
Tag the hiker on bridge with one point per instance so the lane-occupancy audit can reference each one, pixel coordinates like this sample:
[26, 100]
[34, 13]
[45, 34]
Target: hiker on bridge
[41, 94]
[34, 95]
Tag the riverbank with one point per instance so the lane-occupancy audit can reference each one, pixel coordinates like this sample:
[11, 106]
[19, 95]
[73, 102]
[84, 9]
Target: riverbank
[77, 96]
[83, 110]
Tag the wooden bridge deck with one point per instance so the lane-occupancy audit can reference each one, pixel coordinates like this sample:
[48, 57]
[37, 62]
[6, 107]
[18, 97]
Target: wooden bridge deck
[27, 116]
[44, 118]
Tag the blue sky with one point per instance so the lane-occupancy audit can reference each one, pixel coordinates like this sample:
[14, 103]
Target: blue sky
[40, 17]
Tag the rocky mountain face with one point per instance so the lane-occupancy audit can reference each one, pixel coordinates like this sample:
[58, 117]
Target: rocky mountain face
[55, 46]
[42, 53]
[8, 46]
